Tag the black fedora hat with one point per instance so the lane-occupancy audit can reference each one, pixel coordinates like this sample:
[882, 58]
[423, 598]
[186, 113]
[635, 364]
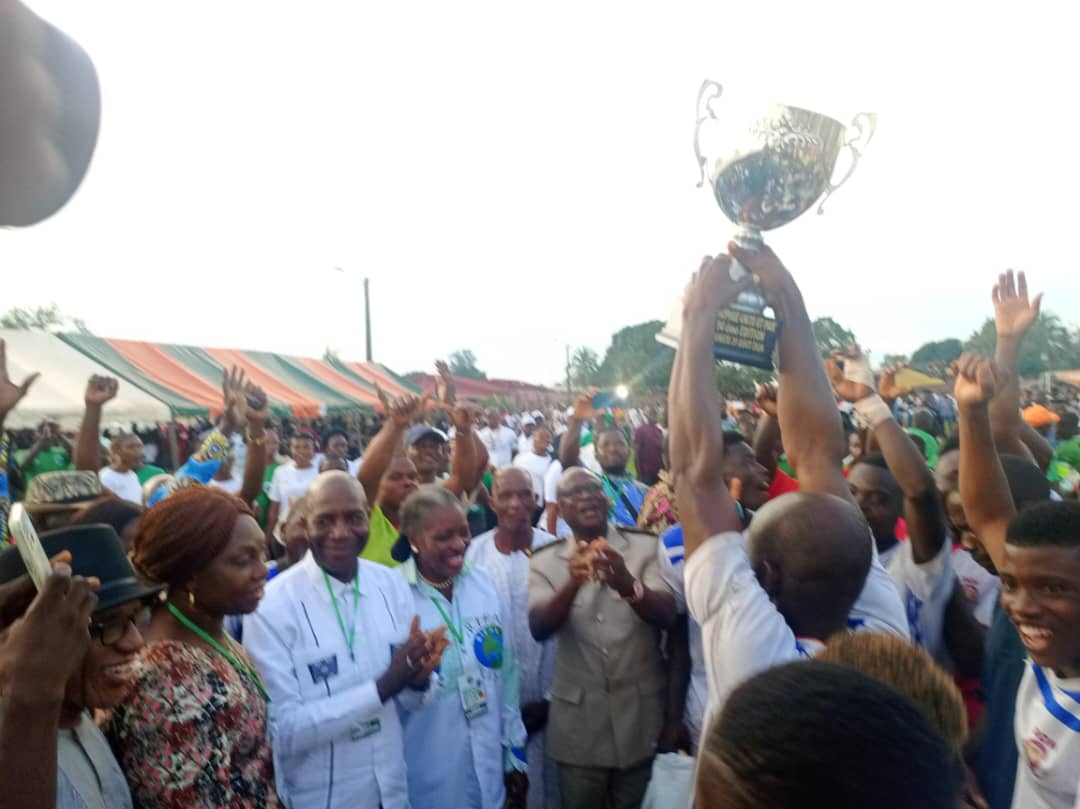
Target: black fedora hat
[96, 550]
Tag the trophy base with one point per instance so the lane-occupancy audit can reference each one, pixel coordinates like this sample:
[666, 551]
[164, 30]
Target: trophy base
[745, 335]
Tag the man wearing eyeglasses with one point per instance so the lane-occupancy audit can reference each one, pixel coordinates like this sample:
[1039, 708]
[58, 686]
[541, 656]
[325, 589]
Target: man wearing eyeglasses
[600, 593]
[70, 653]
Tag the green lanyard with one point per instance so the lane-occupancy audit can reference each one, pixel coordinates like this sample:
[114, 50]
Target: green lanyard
[350, 636]
[455, 631]
[236, 664]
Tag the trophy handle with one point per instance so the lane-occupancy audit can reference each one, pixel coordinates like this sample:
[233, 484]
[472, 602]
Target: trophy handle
[709, 92]
[865, 123]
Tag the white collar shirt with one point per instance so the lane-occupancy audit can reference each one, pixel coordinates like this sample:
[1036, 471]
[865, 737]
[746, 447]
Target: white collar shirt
[336, 744]
[449, 756]
[742, 631]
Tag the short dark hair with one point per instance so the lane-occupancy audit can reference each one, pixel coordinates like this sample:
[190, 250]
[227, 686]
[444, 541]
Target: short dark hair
[731, 438]
[1047, 524]
[1070, 420]
[812, 733]
[873, 459]
[330, 433]
[610, 428]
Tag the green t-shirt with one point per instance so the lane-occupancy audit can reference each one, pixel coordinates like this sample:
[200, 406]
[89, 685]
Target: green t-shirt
[1069, 452]
[148, 471]
[263, 500]
[53, 459]
[381, 538]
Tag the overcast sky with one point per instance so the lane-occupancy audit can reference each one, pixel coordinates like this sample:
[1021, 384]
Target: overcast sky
[517, 177]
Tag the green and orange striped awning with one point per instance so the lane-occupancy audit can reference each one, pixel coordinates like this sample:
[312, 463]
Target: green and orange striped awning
[188, 378]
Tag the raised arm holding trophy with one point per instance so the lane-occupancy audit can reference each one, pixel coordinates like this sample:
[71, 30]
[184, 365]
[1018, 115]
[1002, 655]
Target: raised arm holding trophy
[764, 173]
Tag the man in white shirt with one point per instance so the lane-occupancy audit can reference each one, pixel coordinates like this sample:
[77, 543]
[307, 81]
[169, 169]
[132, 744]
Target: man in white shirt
[1037, 556]
[551, 520]
[895, 483]
[125, 456]
[536, 462]
[290, 481]
[337, 643]
[504, 554]
[777, 596]
[528, 427]
[500, 440]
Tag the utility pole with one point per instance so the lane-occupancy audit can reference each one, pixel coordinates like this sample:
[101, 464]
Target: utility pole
[367, 319]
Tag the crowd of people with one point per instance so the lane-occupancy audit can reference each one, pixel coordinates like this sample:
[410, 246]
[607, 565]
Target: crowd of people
[560, 609]
[840, 594]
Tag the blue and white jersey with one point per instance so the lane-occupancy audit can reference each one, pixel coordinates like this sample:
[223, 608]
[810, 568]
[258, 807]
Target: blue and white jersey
[1048, 737]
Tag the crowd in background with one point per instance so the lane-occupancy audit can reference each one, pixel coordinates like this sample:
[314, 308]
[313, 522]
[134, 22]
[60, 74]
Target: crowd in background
[842, 593]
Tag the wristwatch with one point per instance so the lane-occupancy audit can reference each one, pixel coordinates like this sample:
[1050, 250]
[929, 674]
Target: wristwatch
[636, 594]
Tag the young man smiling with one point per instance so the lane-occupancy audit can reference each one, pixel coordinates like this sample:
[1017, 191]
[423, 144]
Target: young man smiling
[1037, 554]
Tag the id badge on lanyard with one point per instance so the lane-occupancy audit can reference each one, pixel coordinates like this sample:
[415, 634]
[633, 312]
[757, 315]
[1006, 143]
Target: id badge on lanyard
[473, 693]
[470, 682]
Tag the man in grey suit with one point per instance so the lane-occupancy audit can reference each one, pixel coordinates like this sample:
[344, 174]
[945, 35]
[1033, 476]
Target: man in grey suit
[601, 594]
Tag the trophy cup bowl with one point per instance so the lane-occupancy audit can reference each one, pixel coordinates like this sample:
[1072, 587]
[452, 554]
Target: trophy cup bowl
[771, 169]
[765, 169]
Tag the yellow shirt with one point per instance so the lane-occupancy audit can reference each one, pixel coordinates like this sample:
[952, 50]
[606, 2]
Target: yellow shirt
[381, 538]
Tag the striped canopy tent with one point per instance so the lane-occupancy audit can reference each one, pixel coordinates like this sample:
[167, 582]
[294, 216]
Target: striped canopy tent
[59, 391]
[191, 376]
[372, 374]
[356, 388]
[149, 366]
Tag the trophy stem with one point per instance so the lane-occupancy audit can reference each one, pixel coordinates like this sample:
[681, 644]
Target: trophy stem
[748, 238]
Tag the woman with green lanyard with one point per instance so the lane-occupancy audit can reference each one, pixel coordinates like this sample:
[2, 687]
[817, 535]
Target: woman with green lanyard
[466, 748]
[193, 733]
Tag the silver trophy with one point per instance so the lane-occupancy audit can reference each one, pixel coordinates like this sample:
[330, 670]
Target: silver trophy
[765, 170]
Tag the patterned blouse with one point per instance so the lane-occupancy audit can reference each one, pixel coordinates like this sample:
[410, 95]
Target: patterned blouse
[193, 733]
[659, 513]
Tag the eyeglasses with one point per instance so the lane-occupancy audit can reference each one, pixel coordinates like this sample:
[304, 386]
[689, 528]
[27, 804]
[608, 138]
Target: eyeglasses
[111, 631]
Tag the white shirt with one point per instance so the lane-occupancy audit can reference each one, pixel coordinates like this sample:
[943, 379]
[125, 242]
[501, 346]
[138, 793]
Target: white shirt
[500, 444]
[537, 467]
[981, 587]
[878, 607]
[741, 629]
[232, 485]
[535, 661]
[450, 757]
[551, 495]
[324, 700]
[925, 590]
[1047, 728]
[288, 485]
[124, 485]
[524, 444]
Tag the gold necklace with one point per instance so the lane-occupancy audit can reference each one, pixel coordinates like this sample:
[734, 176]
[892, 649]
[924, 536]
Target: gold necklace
[438, 585]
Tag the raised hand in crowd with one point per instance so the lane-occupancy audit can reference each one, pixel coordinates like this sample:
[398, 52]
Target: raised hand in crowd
[695, 420]
[401, 413]
[853, 381]
[10, 392]
[887, 387]
[1014, 315]
[468, 456]
[813, 438]
[256, 415]
[445, 387]
[234, 395]
[99, 391]
[39, 653]
[583, 412]
[984, 490]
